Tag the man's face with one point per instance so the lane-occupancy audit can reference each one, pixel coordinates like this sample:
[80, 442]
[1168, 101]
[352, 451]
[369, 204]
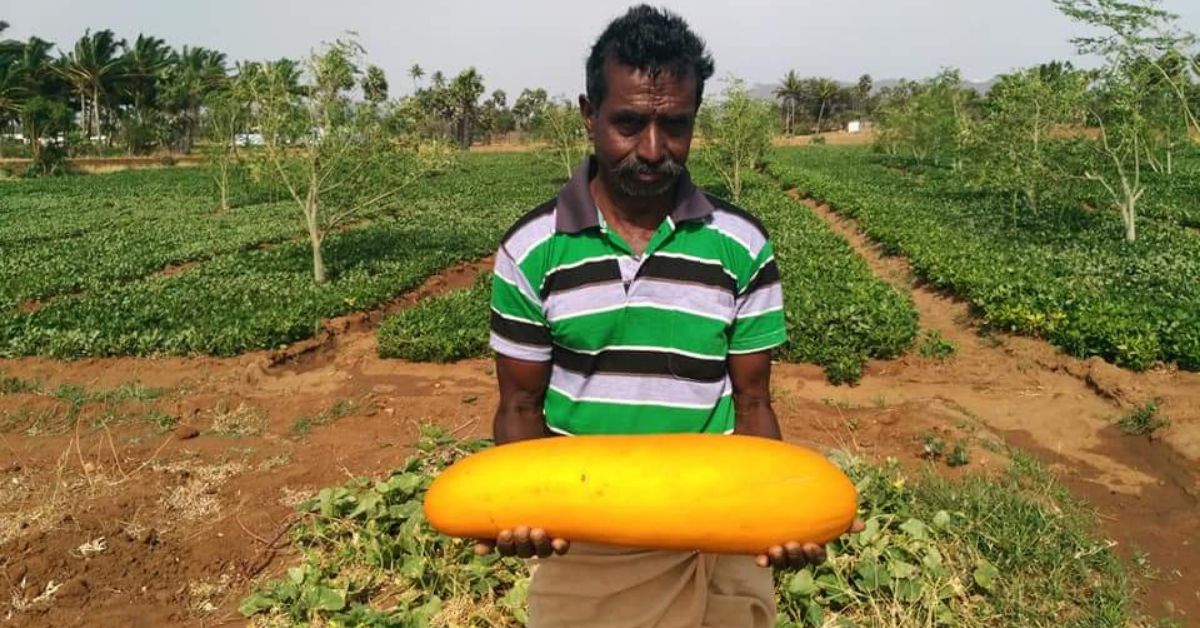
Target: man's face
[642, 131]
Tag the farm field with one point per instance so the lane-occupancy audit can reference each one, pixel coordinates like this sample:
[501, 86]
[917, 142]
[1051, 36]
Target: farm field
[165, 407]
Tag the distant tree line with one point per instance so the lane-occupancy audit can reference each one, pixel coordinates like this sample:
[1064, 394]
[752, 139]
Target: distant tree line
[818, 104]
[108, 95]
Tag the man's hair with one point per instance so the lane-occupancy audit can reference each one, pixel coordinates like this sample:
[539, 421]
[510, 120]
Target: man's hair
[653, 41]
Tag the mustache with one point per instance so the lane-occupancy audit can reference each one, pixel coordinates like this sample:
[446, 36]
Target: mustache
[632, 166]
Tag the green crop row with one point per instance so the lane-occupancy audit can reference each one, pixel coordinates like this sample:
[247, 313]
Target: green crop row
[253, 299]
[839, 313]
[450, 327]
[1066, 275]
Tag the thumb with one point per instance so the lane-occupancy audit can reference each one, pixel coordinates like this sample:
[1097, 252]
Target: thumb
[483, 547]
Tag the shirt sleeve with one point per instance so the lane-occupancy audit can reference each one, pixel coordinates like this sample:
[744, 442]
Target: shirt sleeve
[758, 323]
[518, 328]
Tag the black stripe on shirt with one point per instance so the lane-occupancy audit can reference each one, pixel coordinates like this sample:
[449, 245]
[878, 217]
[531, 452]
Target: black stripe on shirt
[599, 271]
[640, 362]
[688, 271]
[768, 275]
[520, 332]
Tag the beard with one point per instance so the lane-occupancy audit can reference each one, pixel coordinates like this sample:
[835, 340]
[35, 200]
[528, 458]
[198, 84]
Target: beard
[626, 174]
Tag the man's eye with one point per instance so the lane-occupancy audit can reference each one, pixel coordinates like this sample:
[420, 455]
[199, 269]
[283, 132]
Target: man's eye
[676, 127]
[629, 127]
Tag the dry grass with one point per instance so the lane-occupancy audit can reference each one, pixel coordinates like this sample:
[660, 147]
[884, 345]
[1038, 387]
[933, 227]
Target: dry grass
[207, 595]
[292, 497]
[196, 497]
[237, 422]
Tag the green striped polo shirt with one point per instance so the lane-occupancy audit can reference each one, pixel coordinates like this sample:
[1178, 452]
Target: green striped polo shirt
[637, 344]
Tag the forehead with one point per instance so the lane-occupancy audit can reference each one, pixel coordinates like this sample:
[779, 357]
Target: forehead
[629, 86]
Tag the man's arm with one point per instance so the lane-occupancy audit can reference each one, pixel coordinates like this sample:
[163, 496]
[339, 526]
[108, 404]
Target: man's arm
[751, 377]
[519, 415]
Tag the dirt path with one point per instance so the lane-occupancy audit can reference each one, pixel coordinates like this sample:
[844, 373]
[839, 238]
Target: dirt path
[1063, 410]
[107, 519]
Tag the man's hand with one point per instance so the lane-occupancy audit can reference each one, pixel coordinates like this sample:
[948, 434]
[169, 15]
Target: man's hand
[794, 555]
[523, 542]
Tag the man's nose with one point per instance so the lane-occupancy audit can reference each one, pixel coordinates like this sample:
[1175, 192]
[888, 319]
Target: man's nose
[652, 146]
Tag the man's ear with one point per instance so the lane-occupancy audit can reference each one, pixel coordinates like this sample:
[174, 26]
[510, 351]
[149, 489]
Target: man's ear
[588, 114]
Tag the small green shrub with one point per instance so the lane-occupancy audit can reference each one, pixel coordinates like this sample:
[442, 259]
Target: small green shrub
[1144, 420]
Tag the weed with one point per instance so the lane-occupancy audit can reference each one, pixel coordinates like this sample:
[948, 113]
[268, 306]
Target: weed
[936, 347]
[10, 385]
[163, 420]
[1143, 421]
[303, 425]
[958, 456]
[932, 447]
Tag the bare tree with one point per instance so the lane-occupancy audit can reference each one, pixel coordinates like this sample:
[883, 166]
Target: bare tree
[333, 156]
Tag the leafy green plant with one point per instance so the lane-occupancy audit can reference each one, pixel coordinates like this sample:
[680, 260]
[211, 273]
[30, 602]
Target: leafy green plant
[1063, 273]
[934, 346]
[985, 550]
[164, 420]
[91, 255]
[370, 557]
[932, 447]
[1143, 420]
[958, 456]
[449, 327]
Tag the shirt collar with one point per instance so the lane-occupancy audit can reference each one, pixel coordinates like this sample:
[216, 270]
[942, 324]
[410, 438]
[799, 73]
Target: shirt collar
[577, 211]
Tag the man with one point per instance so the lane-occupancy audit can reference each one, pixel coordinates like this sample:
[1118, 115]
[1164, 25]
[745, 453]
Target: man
[634, 303]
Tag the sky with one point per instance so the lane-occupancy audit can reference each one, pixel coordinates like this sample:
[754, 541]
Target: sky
[531, 43]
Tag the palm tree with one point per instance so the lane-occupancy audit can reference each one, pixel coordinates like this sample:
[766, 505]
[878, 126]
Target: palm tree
[195, 73]
[93, 67]
[823, 91]
[790, 91]
[465, 91]
[415, 73]
[438, 79]
[146, 64]
[375, 85]
[863, 93]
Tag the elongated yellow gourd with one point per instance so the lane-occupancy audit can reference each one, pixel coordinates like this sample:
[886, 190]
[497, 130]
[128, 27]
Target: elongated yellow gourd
[712, 493]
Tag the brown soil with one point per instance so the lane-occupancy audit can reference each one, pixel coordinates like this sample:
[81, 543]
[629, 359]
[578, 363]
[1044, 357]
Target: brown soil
[96, 165]
[187, 515]
[836, 138]
[1063, 410]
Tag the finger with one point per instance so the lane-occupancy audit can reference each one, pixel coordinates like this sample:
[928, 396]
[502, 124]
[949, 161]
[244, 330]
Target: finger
[561, 546]
[814, 553]
[795, 555]
[541, 543]
[521, 540]
[483, 548]
[504, 543]
[778, 556]
[762, 560]
[858, 525]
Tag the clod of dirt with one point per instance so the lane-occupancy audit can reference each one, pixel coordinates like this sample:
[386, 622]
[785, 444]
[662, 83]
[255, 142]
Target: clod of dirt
[186, 432]
[1110, 381]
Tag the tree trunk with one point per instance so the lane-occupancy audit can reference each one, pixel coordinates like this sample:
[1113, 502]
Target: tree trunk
[85, 119]
[314, 239]
[1127, 217]
[820, 117]
[96, 109]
